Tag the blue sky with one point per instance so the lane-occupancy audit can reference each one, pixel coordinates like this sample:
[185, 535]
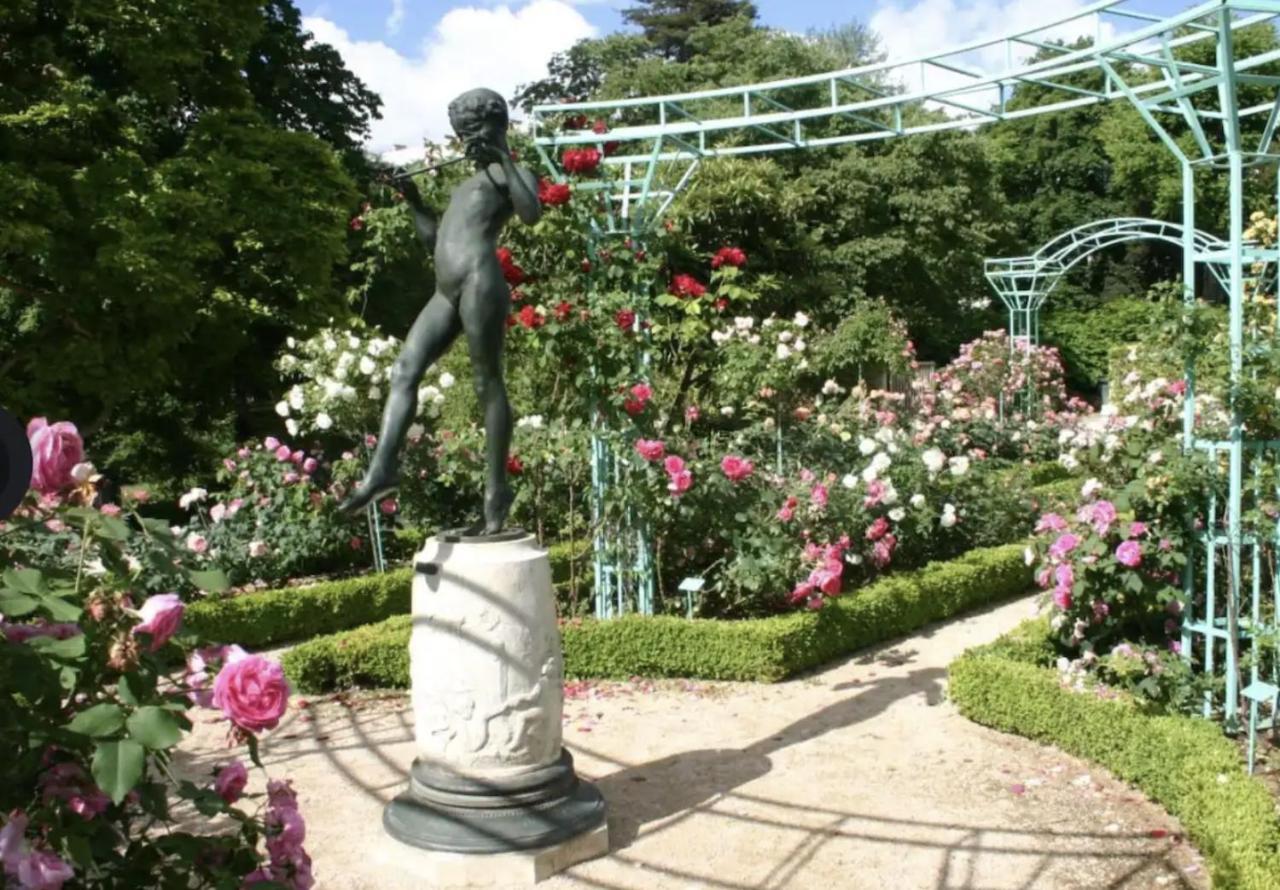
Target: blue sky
[367, 19]
[419, 54]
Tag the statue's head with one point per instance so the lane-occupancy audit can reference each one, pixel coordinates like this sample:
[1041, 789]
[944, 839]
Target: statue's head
[479, 113]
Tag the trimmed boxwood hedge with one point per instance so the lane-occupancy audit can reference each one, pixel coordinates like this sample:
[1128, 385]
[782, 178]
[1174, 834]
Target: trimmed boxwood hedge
[1184, 763]
[271, 617]
[764, 649]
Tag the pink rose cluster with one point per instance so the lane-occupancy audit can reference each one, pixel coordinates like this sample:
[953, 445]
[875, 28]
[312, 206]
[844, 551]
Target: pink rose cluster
[679, 476]
[651, 449]
[26, 868]
[736, 468]
[289, 865]
[56, 449]
[826, 579]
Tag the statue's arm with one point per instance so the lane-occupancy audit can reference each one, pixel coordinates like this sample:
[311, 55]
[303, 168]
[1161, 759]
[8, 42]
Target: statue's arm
[522, 185]
[425, 222]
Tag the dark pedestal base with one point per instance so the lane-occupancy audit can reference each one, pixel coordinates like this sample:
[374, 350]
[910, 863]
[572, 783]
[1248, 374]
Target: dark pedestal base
[444, 811]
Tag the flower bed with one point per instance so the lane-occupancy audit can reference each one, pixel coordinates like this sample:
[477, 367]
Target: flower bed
[1184, 763]
[762, 650]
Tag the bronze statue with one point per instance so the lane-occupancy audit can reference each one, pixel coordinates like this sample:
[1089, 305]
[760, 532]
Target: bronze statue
[471, 297]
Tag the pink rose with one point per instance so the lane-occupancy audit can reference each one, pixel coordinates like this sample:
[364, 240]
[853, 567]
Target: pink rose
[691, 414]
[43, 870]
[13, 841]
[161, 615]
[309, 465]
[1051, 522]
[251, 691]
[1129, 554]
[882, 552]
[826, 580]
[680, 482]
[642, 392]
[1064, 545]
[819, 496]
[878, 529]
[283, 453]
[290, 478]
[55, 450]
[230, 780]
[109, 509]
[736, 468]
[1062, 598]
[802, 592]
[271, 443]
[1065, 576]
[673, 465]
[651, 449]
[388, 506]
[218, 512]
[298, 456]
[1137, 529]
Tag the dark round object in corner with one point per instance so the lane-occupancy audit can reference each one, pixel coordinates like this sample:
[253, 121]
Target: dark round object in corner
[15, 463]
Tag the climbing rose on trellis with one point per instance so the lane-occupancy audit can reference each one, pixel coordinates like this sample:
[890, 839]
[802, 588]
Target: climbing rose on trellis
[553, 194]
[580, 160]
[729, 256]
[513, 273]
[686, 286]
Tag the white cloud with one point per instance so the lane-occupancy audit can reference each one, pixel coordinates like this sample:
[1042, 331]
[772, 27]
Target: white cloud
[499, 48]
[396, 17]
[929, 27]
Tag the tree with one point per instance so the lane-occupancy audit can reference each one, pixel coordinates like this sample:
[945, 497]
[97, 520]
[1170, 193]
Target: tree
[853, 43]
[667, 23]
[170, 229]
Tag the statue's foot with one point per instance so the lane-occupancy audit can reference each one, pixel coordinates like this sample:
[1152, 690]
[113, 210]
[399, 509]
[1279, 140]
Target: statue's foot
[373, 487]
[496, 507]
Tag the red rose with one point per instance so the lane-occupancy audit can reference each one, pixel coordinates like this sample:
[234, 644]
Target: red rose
[580, 160]
[686, 287]
[575, 122]
[722, 304]
[510, 271]
[625, 320]
[600, 126]
[530, 317]
[729, 256]
[586, 265]
[553, 194]
[515, 466]
[563, 310]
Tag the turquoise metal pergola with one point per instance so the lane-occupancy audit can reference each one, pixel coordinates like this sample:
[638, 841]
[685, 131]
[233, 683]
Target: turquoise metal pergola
[1196, 109]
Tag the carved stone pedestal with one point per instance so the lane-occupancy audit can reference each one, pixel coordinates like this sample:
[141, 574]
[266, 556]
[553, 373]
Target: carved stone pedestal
[491, 776]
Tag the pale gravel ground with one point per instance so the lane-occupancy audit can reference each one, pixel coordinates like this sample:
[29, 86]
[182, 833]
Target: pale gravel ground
[861, 776]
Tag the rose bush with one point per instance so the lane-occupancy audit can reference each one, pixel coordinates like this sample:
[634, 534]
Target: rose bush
[96, 696]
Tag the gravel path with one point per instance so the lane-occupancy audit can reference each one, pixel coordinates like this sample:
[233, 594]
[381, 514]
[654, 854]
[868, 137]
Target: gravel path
[861, 776]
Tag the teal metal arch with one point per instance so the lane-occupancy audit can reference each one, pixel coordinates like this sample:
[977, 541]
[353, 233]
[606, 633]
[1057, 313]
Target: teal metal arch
[1025, 283]
[1197, 109]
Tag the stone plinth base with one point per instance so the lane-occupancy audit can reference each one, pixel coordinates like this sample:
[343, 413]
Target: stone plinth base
[415, 867]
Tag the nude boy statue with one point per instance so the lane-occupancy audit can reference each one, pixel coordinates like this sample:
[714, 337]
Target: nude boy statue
[471, 297]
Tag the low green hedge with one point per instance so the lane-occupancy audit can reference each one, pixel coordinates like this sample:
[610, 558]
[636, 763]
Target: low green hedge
[764, 649]
[282, 615]
[1184, 763]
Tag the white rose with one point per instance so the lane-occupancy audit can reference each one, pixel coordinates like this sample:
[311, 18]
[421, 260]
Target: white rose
[1090, 488]
[948, 516]
[348, 393]
[282, 408]
[367, 365]
[1069, 462]
[782, 352]
[934, 460]
[849, 481]
[897, 513]
[754, 339]
[727, 411]
[292, 426]
[375, 392]
[330, 344]
[417, 431]
[799, 345]
[959, 465]
[867, 447]
[917, 500]
[718, 337]
[869, 473]
[855, 559]
[296, 398]
[446, 380]
[323, 421]
[1155, 457]
[890, 496]
[884, 434]
[290, 342]
[533, 421]
[193, 496]
[83, 472]
[881, 462]
[801, 320]
[1028, 555]
[744, 323]
[257, 549]
[831, 388]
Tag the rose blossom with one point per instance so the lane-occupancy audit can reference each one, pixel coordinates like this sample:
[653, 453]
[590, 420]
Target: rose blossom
[673, 465]
[680, 482]
[878, 529]
[251, 691]
[736, 468]
[1065, 576]
[1064, 545]
[1051, 522]
[1137, 529]
[257, 549]
[818, 497]
[230, 780]
[1129, 554]
[651, 449]
[43, 870]
[882, 552]
[13, 842]
[55, 451]
[1062, 598]
[161, 615]
[197, 543]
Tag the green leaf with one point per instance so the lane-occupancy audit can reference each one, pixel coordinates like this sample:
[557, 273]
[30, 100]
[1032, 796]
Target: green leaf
[210, 580]
[253, 751]
[81, 851]
[18, 604]
[69, 649]
[126, 691]
[24, 580]
[156, 728]
[117, 767]
[100, 720]
[61, 610]
[113, 528]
